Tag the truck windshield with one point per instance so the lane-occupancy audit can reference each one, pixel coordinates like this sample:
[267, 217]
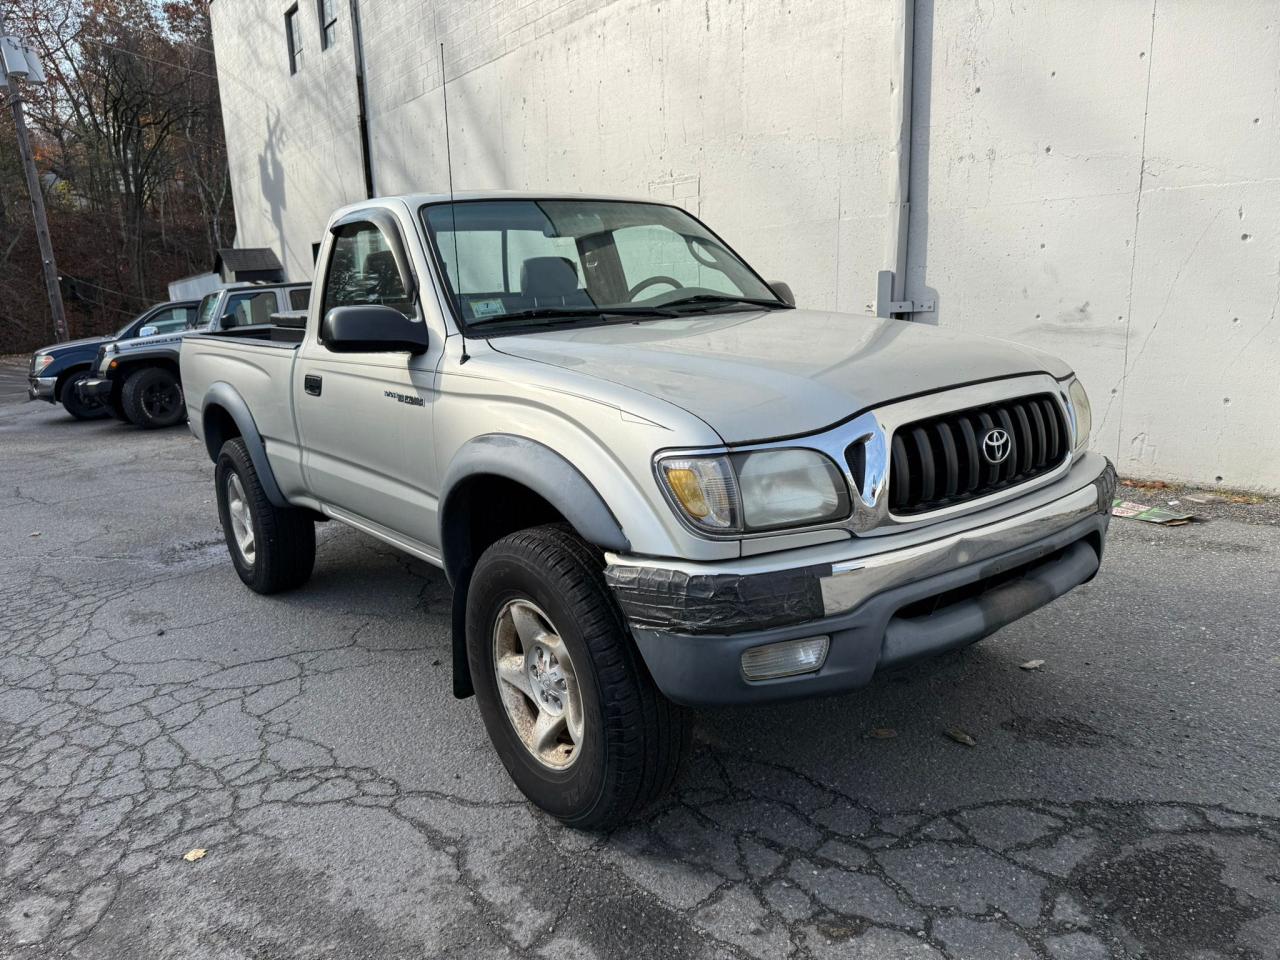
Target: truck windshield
[523, 263]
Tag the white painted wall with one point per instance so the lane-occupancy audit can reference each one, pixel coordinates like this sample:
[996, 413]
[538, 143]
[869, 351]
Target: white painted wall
[1083, 174]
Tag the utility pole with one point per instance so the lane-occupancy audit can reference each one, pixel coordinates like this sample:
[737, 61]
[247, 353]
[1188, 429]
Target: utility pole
[18, 62]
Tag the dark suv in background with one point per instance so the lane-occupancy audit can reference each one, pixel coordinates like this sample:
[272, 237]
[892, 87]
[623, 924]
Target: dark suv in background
[56, 370]
[138, 380]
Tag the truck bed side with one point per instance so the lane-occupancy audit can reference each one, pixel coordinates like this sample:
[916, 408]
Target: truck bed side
[227, 376]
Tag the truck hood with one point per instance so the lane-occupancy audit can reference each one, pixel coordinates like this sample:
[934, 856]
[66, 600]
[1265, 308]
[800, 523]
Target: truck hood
[776, 373]
[67, 346]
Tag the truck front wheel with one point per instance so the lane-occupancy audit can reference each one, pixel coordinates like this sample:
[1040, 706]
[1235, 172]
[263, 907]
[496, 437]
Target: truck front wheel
[152, 398]
[81, 409]
[273, 548]
[566, 699]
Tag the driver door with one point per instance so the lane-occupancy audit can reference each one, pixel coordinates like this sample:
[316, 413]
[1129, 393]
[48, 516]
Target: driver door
[365, 419]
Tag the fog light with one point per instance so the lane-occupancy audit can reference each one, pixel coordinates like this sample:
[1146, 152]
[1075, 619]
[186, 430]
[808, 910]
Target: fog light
[785, 659]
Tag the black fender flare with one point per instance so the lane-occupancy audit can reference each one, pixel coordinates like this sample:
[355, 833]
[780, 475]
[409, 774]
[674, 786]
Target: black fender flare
[546, 473]
[223, 395]
[542, 470]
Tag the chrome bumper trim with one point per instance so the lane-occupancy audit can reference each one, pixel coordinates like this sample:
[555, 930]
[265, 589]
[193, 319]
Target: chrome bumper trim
[853, 581]
[41, 388]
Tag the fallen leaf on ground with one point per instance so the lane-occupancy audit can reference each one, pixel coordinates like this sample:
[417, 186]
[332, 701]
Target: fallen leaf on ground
[959, 736]
[1145, 484]
[193, 855]
[1032, 665]
[882, 733]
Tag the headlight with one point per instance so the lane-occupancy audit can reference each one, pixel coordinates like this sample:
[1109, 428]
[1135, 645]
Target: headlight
[1081, 413]
[761, 490]
[42, 361]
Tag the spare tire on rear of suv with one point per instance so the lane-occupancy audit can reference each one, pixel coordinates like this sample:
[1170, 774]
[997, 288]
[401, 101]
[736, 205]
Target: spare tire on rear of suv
[152, 398]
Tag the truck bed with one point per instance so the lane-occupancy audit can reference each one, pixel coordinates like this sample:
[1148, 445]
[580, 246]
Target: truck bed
[260, 360]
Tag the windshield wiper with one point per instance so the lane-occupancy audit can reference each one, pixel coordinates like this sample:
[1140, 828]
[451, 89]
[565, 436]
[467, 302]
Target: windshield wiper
[571, 313]
[716, 299]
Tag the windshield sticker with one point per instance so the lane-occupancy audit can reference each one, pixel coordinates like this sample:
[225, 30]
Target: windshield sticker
[487, 308]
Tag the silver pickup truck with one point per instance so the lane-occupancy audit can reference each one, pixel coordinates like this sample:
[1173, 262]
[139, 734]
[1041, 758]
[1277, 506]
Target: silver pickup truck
[651, 481]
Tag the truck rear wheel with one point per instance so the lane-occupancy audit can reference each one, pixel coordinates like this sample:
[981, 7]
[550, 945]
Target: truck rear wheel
[80, 409]
[152, 398]
[273, 548]
[565, 697]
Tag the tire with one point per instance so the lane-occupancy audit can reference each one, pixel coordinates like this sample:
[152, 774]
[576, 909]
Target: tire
[78, 408]
[152, 398]
[631, 739]
[282, 541]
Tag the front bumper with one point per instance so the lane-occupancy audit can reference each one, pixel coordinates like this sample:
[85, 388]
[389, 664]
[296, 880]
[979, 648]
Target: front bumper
[879, 607]
[42, 388]
[94, 389]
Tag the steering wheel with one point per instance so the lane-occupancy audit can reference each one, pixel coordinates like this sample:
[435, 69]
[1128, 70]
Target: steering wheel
[646, 284]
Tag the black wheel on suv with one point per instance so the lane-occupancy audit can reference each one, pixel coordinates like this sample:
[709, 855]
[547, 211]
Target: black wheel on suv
[152, 398]
[80, 409]
[565, 696]
[273, 548]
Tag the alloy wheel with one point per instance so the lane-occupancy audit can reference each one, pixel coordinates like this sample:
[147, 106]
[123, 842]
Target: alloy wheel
[538, 684]
[241, 519]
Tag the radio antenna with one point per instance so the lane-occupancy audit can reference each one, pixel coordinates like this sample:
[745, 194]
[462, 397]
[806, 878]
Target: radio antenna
[453, 213]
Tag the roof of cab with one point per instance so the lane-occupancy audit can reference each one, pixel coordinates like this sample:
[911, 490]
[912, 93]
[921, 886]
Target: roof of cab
[415, 200]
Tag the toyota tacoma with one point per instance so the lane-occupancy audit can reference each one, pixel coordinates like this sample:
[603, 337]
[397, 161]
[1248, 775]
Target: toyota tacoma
[651, 481]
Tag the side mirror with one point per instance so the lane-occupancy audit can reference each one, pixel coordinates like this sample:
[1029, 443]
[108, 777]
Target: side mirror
[150, 330]
[372, 328]
[783, 290]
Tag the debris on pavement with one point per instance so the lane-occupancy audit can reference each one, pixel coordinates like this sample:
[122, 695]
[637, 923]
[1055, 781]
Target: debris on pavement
[882, 733]
[1032, 665]
[959, 736]
[1161, 515]
[191, 856]
[1146, 484]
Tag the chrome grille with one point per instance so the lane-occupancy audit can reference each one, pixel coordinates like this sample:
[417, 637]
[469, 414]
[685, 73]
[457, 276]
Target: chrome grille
[939, 461]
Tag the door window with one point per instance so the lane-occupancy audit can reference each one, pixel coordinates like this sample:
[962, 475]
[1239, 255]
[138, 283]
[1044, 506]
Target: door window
[362, 270]
[171, 320]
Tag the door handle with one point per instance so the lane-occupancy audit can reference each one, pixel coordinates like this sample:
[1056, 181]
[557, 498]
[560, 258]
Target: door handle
[312, 383]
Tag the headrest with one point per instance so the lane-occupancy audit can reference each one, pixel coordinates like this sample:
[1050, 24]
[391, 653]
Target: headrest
[548, 277]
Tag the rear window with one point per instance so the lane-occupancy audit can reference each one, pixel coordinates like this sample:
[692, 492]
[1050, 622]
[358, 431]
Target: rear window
[300, 298]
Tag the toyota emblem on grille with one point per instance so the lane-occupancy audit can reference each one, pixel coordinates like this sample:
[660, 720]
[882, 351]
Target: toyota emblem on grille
[996, 445]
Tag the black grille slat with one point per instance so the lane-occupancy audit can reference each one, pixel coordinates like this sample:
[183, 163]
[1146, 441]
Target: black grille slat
[1024, 437]
[1038, 436]
[900, 482]
[940, 461]
[973, 463]
[1052, 423]
[950, 460]
[924, 454]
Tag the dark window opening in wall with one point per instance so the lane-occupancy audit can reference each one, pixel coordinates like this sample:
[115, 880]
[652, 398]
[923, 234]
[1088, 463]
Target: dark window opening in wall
[328, 23]
[293, 34]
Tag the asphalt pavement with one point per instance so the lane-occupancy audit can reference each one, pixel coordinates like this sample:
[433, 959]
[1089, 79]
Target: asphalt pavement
[1122, 800]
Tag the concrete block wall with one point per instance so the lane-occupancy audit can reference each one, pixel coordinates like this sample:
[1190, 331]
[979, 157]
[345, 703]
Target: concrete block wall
[1097, 179]
[1102, 180]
